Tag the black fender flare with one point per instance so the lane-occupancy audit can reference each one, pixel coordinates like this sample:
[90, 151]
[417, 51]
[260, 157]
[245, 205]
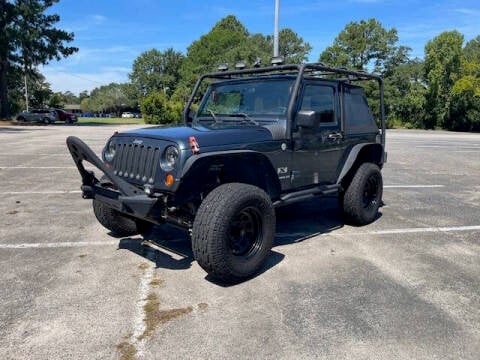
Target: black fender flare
[356, 153]
[271, 182]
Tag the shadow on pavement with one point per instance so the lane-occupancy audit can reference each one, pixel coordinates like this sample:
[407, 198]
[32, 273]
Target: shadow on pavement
[170, 248]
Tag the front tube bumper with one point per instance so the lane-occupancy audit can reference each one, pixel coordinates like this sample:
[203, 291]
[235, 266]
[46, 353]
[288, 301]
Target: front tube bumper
[125, 198]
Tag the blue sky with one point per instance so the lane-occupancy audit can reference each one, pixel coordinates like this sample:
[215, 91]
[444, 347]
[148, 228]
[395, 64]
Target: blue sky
[112, 33]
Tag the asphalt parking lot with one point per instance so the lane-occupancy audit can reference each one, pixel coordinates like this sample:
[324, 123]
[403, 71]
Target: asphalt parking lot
[405, 287]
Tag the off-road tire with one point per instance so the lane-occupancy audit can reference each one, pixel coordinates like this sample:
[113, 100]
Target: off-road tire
[233, 231]
[364, 195]
[118, 223]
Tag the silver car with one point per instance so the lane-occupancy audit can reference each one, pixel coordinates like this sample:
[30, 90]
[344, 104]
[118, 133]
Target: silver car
[37, 115]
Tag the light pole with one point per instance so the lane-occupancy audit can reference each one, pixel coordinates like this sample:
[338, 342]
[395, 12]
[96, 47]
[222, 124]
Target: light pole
[275, 31]
[26, 92]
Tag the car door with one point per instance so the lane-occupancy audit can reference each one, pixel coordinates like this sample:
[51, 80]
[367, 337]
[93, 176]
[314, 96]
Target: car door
[317, 150]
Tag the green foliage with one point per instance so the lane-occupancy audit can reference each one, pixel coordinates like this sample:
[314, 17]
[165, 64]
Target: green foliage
[154, 71]
[157, 109]
[443, 56]
[112, 98]
[28, 38]
[405, 93]
[362, 44]
[229, 42]
[472, 50]
[60, 99]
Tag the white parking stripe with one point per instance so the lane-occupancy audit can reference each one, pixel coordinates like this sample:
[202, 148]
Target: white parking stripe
[37, 167]
[58, 244]
[302, 236]
[280, 235]
[139, 317]
[449, 146]
[411, 186]
[53, 192]
[417, 230]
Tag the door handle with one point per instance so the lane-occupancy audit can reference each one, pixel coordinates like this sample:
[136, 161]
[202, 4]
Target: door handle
[335, 136]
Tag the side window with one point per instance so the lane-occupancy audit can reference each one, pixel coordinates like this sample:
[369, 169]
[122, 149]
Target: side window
[321, 99]
[358, 117]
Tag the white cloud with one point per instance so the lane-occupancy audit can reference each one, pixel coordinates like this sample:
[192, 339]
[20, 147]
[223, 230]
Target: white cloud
[98, 19]
[60, 79]
[469, 12]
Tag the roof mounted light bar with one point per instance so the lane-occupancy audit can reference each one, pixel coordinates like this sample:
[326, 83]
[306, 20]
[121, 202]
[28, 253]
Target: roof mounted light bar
[277, 60]
[222, 67]
[241, 65]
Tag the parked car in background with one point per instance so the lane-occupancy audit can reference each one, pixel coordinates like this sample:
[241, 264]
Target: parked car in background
[65, 116]
[45, 116]
[127, 114]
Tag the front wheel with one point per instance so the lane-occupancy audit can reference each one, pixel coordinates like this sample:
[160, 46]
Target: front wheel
[118, 223]
[364, 195]
[46, 120]
[233, 231]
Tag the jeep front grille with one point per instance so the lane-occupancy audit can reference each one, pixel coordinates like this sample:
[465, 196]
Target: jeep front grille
[135, 161]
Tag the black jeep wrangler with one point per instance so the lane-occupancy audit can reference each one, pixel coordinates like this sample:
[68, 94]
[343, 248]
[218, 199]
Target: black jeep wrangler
[259, 138]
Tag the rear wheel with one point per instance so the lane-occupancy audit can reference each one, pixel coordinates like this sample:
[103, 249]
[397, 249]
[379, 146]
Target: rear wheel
[46, 120]
[364, 195]
[233, 231]
[118, 223]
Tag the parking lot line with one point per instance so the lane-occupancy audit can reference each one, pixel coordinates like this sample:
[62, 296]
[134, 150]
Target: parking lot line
[373, 232]
[411, 186]
[139, 325]
[58, 244]
[53, 192]
[59, 192]
[37, 167]
[417, 230]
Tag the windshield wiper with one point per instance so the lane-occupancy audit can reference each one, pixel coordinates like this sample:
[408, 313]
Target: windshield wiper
[214, 116]
[244, 116]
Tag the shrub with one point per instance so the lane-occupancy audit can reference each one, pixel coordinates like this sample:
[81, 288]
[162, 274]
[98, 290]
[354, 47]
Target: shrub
[158, 109]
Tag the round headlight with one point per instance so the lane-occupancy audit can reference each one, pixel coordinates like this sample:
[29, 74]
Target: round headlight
[169, 158]
[109, 152]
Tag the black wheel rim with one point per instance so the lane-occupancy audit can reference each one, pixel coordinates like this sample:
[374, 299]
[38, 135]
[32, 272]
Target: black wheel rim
[370, 193]
[245, 233]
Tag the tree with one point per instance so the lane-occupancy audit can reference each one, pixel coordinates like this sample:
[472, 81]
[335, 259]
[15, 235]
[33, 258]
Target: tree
[108, 98]
[39, 91]
[156, 71]
[291, 46]
[443, 56]
[406, 95]
[362, 44]
[157, 109]
[464, 110]
[229, 42]
[472, 50]
[218, 46]
[28, 38]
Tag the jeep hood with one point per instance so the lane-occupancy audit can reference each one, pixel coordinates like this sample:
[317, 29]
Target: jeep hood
[204, 136]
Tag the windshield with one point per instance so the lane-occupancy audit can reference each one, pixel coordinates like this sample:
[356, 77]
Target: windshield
[258, 101]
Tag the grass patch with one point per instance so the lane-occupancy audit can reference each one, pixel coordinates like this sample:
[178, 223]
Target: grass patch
[109, 121]
[154, 316]
[127, 351]
[156, 282]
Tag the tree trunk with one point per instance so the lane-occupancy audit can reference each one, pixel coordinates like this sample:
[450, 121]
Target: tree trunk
[4, 106]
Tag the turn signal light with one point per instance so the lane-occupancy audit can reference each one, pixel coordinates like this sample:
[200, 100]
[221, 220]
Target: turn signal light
[169, 180]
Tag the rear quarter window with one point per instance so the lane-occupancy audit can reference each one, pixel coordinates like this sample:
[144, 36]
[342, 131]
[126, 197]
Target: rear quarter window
[358, 118]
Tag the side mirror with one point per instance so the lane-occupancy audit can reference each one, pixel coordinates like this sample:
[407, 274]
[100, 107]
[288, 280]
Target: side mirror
[307, 119]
